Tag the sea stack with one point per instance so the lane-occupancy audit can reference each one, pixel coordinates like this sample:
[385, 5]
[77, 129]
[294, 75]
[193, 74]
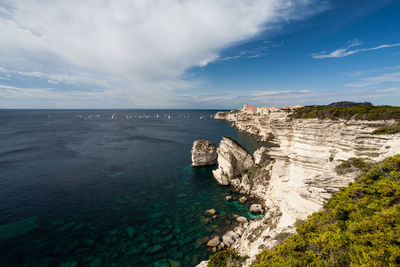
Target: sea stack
[233, 160]
[204, 153]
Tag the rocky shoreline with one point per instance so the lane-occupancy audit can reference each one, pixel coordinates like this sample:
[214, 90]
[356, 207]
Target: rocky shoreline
[293, 178]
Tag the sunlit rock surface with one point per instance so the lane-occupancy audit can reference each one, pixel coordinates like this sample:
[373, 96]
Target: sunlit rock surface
[233, 160]
[204, 153]
[297, 175]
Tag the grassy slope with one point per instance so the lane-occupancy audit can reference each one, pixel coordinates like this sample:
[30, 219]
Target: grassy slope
[359, 225]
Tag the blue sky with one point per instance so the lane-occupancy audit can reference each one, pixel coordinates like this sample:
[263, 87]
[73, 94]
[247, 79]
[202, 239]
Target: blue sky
[198, 54]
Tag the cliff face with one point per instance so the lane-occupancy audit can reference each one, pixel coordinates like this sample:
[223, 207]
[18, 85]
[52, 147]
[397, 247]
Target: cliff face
[233, 160]
[299, 174]
[204, 153]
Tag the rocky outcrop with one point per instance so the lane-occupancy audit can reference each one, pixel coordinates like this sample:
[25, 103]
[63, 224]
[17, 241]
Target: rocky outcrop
[296, 175]
[204, 153]
[261, 155]
[233, 160]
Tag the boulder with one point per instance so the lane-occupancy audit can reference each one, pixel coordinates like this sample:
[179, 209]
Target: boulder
[214, 242]
[229, 198]
[260, 155]
[256, 208]
[233, 160]
[211, 212]
[242, 200]
[241, 219]
[204, 153]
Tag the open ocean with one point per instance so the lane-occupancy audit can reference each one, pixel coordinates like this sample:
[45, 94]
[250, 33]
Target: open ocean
[86, 188]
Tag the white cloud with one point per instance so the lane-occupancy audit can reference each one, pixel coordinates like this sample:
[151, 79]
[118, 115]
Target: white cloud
[388, 90]
[135, 48]
[392, 77]
[344, 52]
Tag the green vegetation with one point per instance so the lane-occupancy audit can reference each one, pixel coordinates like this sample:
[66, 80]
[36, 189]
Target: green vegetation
[358, 112]
[389, 129]
[352, 164]
[359, 226]
[226, 258]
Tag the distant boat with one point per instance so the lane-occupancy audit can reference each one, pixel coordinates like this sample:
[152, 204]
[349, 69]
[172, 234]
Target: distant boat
[113, 116]
[157, 116]
[169, 116]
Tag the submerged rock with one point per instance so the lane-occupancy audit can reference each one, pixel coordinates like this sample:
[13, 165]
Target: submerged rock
[11, 230]
[204, 153]
[211, 212]
[155, 249]
[233, 160]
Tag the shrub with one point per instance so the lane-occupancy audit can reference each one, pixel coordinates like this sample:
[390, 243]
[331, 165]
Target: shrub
[389, 129]
[351, 165]
[358, 226]
[226, 258]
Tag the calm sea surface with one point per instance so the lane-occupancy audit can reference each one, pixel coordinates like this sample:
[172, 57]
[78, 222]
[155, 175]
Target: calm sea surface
[108, 187]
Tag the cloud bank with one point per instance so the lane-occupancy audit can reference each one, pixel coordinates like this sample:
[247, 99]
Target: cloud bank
[133, 51]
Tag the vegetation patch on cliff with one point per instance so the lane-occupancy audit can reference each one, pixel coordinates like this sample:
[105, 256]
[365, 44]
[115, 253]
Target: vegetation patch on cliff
[359, 225]
[358, 112]
[351, 165]
[389, 129]
[225, 258]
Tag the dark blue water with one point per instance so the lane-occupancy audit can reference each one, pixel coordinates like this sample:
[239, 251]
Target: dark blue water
[78, 188]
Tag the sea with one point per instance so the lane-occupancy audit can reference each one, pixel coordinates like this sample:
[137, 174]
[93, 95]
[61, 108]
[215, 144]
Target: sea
[110, 187]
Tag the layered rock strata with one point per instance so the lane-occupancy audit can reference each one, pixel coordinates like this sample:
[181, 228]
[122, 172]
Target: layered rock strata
[233, 160]
[204, 153]
[297, 175]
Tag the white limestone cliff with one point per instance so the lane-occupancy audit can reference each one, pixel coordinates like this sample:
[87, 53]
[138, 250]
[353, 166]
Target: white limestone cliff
[298, 175]
[204, 153]
[233, 160]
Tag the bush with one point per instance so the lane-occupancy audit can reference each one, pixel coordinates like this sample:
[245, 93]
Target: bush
[389, 129]
[351, 165]
[359, 226]
[226, 258]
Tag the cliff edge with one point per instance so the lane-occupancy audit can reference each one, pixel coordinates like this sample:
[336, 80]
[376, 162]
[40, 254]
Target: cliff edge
[300, 172]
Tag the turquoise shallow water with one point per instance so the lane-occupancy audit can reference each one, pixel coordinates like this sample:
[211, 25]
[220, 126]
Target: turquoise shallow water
[81, 189]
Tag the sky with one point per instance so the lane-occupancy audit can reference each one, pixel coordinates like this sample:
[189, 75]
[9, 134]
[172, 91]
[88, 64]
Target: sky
[200, 54]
